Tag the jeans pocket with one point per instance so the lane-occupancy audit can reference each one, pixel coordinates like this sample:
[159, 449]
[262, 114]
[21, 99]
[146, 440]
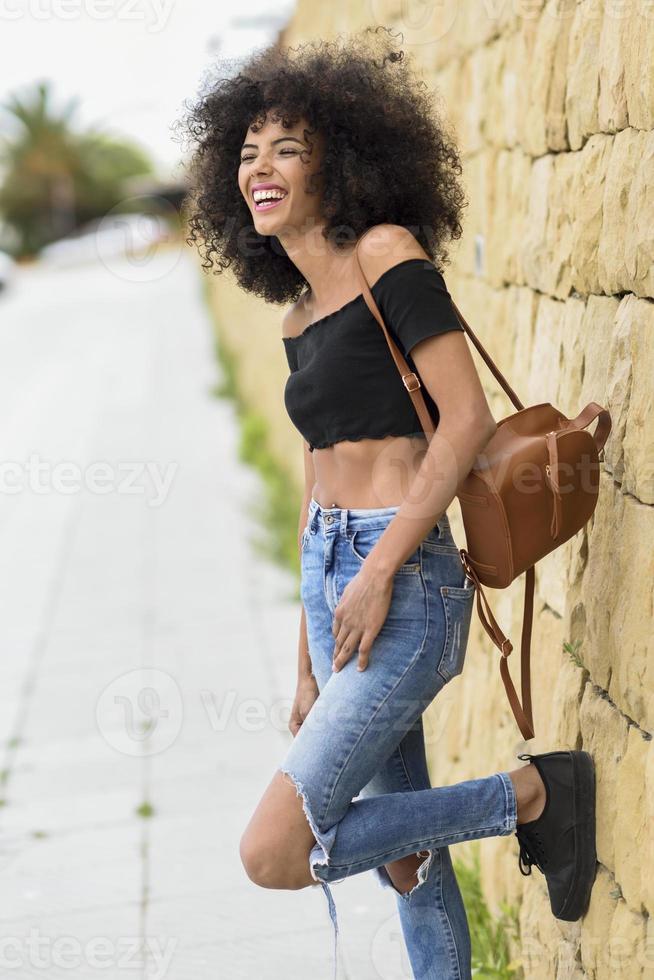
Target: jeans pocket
[364, 539]
[457, 605]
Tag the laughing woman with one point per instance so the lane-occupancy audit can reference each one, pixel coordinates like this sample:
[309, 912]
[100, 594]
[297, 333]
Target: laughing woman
[311, 166]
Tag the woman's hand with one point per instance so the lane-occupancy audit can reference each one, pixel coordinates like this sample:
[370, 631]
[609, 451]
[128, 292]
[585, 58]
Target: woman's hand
[306, 693]
[360, 615]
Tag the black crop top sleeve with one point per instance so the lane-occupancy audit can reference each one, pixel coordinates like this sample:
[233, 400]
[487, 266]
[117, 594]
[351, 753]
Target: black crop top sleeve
[344, 384]
[415, 303]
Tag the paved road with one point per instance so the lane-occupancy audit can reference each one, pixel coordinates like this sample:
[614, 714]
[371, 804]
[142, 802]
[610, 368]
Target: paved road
[148, 653]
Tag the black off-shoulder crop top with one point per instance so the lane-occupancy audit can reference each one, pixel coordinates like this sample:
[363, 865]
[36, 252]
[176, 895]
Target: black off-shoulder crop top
[344, 384]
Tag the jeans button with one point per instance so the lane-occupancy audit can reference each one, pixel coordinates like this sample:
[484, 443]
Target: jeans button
[329, 518]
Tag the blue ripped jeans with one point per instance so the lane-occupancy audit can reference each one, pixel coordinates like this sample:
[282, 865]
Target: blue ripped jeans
[363, 737]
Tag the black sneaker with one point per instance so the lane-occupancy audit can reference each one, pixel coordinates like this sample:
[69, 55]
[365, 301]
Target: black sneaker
[561, 841]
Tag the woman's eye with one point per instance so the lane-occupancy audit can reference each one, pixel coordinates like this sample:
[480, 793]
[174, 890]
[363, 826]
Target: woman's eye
[247, 159]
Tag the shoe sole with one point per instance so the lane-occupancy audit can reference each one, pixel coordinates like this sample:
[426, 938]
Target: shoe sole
[578, 898]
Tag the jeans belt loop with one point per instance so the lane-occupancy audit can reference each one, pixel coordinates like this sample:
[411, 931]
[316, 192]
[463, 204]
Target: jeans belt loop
[344, 515]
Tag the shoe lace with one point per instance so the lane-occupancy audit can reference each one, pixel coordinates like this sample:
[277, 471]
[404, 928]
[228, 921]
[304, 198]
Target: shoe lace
[532, 852]
[532, 849]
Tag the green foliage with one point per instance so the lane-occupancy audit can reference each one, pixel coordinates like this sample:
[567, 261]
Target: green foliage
[279, 511]
[104, 165]
[145, 810]
[227, 387]
[491, 958]
[572, 650]
[56, 178]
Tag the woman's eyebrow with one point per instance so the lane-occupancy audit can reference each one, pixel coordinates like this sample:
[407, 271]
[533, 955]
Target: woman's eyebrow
[281, 139]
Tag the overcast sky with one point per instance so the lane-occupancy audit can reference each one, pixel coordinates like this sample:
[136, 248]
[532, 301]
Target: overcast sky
[131, 62]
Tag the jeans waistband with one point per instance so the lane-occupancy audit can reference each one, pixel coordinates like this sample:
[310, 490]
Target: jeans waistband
[332, 519]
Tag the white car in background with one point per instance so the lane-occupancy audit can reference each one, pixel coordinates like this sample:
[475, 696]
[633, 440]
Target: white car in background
[7, 267]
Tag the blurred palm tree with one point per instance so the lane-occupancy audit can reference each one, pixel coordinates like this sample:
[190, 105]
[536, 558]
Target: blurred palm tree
[54, 177]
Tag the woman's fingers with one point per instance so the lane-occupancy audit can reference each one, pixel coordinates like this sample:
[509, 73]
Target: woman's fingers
[349, 648]
[365, 645]
[348, 643]
[345, 646]
[357, 619]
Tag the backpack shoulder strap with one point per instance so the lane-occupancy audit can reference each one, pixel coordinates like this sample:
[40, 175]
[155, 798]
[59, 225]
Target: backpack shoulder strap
[401, 363]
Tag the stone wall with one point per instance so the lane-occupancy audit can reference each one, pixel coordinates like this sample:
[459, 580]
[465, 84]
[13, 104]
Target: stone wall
[553, 109]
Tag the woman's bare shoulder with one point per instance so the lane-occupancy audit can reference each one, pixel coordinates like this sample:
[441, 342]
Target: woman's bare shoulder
[385, 246]
[294, 319]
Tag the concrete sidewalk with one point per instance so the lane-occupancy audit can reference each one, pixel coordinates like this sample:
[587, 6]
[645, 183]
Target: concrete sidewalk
[148, 653]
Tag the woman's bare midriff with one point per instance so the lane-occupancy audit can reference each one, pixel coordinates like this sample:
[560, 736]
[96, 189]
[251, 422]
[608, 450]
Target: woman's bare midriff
[368, 472]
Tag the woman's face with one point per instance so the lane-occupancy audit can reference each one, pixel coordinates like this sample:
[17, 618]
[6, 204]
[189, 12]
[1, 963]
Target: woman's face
[282, 161]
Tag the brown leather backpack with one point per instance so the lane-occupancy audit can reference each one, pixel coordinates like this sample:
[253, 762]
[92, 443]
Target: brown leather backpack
[532, 488]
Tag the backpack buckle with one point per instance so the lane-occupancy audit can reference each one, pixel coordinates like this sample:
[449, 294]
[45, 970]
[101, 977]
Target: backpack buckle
[407, 384]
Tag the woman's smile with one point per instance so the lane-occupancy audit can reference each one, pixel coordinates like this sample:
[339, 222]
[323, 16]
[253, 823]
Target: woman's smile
[269, 203]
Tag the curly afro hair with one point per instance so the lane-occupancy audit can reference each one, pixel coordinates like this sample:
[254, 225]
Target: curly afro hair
[388, 159]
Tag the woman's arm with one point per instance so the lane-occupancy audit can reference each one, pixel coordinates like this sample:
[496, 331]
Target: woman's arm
[448, 372]
[465, 427]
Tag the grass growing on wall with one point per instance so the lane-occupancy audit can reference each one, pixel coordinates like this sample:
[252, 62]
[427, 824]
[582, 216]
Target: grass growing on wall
[280, 509]
[278, 513]
[489, 936]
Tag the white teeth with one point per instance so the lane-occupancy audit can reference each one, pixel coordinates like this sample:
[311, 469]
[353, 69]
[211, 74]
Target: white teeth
[268, 195]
